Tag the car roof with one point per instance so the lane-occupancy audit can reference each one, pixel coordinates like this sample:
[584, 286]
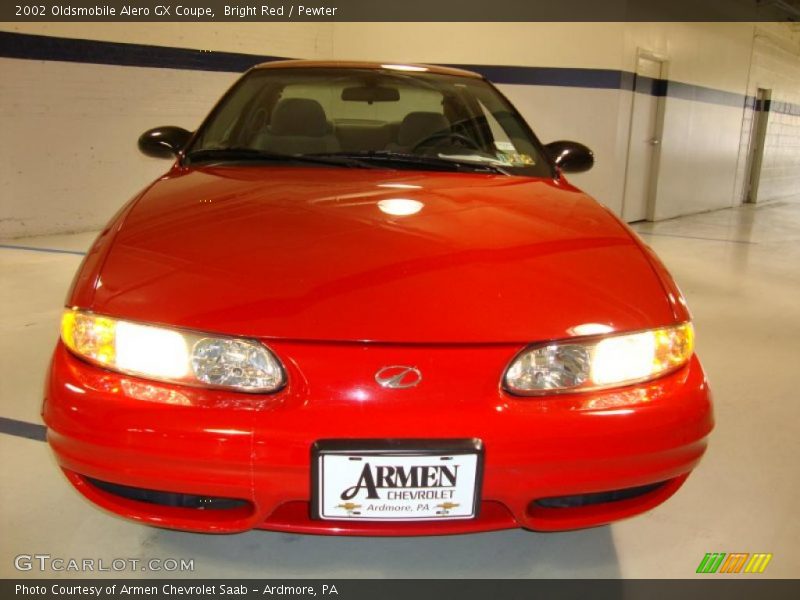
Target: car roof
[355, 64]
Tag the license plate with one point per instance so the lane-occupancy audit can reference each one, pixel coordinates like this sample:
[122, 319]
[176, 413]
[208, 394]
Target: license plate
[396, 480]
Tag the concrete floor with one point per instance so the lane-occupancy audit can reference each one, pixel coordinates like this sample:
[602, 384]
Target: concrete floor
[739, 268]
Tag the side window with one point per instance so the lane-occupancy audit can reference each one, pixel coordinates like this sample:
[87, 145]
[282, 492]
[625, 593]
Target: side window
[233, 114]
[510, 145]
[499, 135]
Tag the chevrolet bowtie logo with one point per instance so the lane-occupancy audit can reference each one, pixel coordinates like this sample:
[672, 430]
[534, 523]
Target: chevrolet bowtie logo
[445, 506]
[349, 506]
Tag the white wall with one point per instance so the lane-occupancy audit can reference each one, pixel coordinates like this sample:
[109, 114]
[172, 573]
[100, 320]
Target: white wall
[70, 159]
[700, 140]
[776, 66]
[586, 45]
[300, 40]
[559, 113]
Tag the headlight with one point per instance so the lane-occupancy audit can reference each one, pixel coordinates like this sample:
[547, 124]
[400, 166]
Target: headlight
[170, 354]
[576, 366]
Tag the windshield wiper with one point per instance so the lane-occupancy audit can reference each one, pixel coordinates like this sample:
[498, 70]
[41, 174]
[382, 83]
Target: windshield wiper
[419, 160]
[217, 155]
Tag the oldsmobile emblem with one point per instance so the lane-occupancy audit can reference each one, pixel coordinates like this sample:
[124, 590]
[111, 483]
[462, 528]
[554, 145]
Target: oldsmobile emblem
[398, 377]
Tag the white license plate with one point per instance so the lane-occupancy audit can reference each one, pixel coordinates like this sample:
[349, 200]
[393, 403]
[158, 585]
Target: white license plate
[397, 484]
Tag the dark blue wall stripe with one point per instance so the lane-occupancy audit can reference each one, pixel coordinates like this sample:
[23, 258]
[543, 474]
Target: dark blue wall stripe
[51, 250]
[786, 108]
[648, 85]
[31, 431]
[698, 93]
[567, 77]
[40, 47]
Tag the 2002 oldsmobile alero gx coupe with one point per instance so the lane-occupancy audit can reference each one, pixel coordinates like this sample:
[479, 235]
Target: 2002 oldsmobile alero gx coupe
[365, 300]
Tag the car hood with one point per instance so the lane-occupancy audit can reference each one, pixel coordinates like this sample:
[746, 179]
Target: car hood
[314, 254]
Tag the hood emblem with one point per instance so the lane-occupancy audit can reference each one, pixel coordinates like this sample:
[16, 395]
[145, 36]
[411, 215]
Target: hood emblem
[398, 377]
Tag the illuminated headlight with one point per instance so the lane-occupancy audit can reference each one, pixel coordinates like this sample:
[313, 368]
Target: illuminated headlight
[617, 360]
[170, 354]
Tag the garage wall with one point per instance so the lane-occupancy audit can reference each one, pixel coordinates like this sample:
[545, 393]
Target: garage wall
[301, 40]
[707, 66]
[776, 66]
[570, 80]
[69, 156]
[72, 157]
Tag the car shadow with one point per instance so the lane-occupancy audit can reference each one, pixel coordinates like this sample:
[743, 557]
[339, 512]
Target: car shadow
[507, 554]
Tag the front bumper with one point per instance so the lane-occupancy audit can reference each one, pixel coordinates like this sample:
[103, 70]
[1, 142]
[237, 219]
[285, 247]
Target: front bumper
[256, 449]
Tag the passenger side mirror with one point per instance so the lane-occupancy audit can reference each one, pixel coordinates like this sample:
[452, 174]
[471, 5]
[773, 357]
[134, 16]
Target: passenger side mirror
[163, 142]
[571, 157]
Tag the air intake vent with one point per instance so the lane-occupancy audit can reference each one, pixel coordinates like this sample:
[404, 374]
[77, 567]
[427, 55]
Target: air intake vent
[597, 497]
[168, 498]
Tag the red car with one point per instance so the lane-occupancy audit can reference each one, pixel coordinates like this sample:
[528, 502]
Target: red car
[365, 300]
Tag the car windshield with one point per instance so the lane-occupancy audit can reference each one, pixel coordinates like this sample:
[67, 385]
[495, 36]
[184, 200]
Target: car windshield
[359, 117]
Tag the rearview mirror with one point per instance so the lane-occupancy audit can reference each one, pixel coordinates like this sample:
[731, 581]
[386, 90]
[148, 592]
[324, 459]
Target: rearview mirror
[571, 157]
[163, 142]
[370, 94]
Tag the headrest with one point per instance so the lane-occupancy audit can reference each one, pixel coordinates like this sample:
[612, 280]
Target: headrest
[299, 116]
[417, 126]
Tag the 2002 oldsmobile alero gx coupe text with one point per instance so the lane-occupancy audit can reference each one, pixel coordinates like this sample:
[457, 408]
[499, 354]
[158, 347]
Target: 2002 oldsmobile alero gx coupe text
[365, 300]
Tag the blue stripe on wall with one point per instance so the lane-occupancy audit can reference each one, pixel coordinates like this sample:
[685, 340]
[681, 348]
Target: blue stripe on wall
[36, 249]
[786, 108]
[698, 93]
[567, 77]
[40, 47]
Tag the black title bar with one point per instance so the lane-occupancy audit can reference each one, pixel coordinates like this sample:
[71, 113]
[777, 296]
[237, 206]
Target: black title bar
[742, 588]
[401, 10]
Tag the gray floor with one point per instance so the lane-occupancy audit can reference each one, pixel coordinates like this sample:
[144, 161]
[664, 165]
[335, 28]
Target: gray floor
[739, 268]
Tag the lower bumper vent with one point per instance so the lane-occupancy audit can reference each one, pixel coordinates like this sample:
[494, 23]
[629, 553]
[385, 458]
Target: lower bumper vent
[168, 498]
[598, 497]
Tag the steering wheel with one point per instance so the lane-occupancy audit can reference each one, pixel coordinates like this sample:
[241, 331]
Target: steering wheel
[446, 135]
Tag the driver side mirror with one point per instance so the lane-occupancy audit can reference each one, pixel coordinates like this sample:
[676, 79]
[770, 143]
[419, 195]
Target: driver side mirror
[163, 142]
[570, 157]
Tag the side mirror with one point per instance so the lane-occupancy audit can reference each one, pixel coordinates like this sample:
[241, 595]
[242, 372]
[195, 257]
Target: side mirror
[571, 157]
[163, 142]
